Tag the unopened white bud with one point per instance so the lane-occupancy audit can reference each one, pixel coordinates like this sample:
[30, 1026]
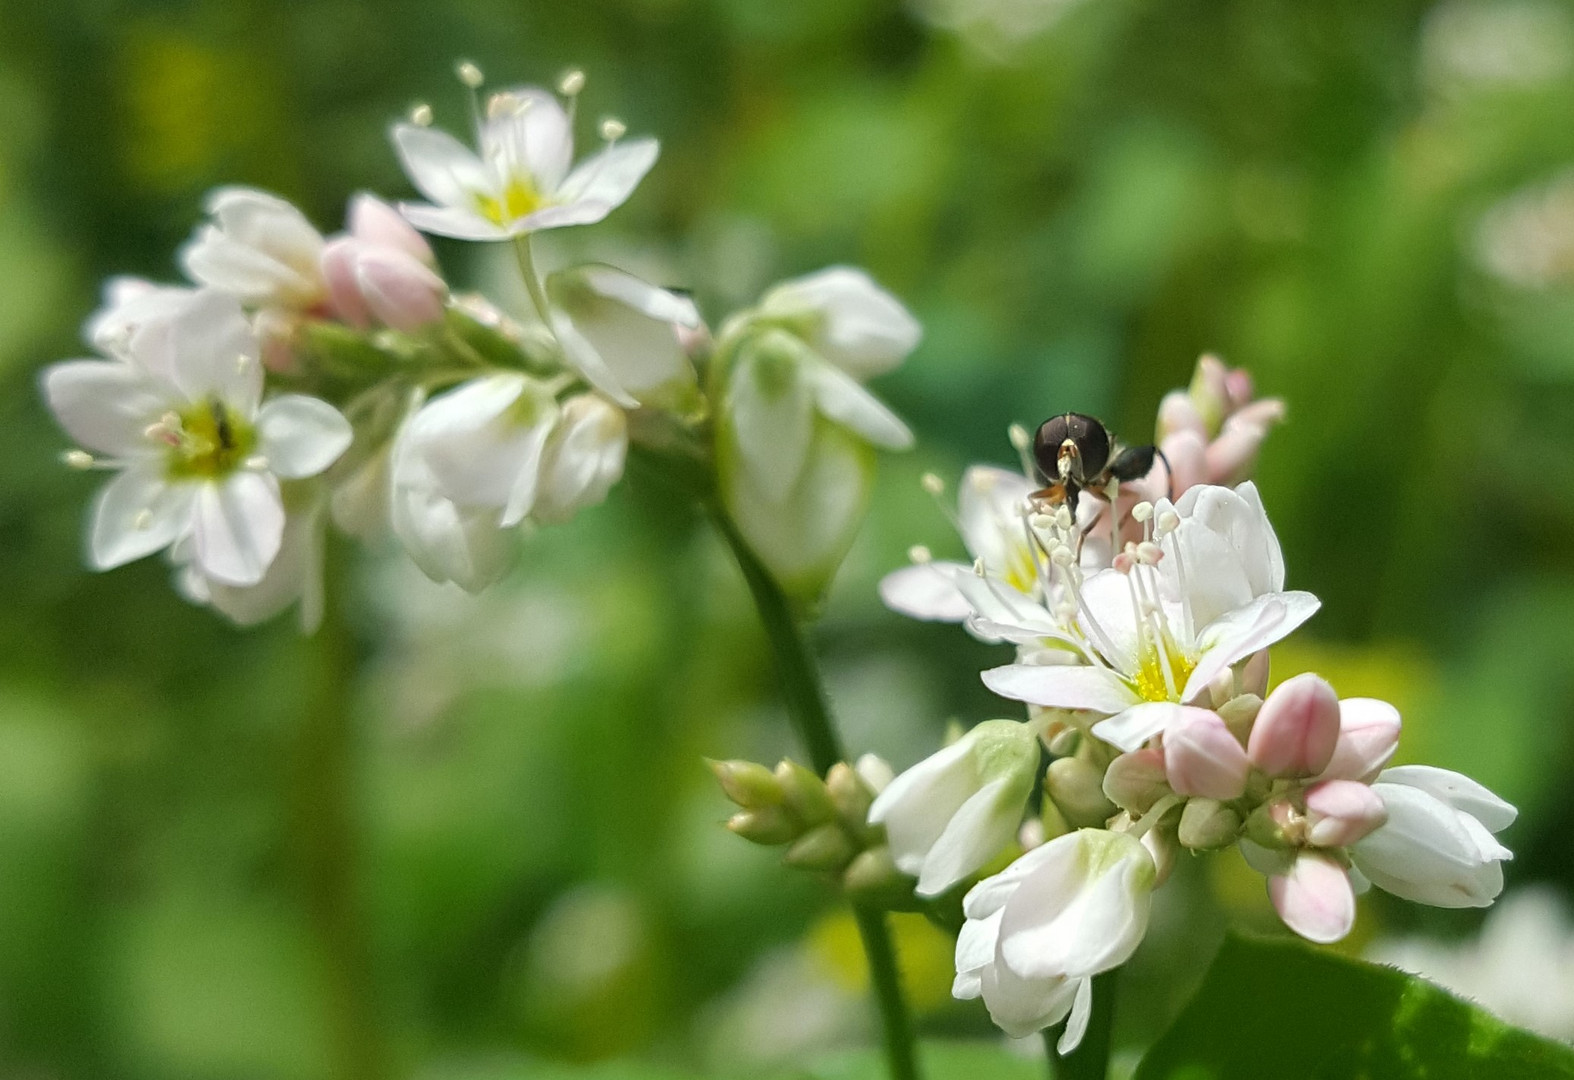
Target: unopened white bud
[421, 115]
[572, 82]
[919, 555]
[469, 74]
[613, 129]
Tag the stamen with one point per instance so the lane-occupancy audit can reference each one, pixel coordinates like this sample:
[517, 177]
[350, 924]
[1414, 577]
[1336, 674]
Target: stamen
[919, 555]
[78, 459]
[1022, 442]
[932, 484]
[257, 463]
[421, 115]
[1063, 519]
[572, 82]
[1166, 523]
[1142, 512]
[469, 74]
[978, 567]
[613, 129]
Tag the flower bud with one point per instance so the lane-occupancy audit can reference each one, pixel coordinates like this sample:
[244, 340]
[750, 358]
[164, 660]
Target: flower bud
[583, 458]
[1177, 414]
[803, 792]
[1207, 824]
[377, 224]
[957, 809]
[1254, 674]
[344, 292]
[1297, 728]
[747, 783]
[400, 290]
[1078, 790]
[874, 771]
[873, 878]
[1239, 713]
[622, 335]
[1238, 388]
[824, 847]
[1209, 391]
[1368, 737]
[768, 825]
[1135, 781]
[1276, 825]
[850, 796]
[1201, 757]
[1315, 898]
[1340, 812]
[1232, 457]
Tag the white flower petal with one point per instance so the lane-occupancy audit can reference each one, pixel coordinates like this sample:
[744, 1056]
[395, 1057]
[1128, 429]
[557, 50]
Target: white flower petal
[852, 322]
[1130, 728]
[979, 830]
[136, 514]
[608, 178]
[239, 526]
[1245, 630]
[1077, 1022]
[1424, 853]
[841, 399]
[452, 221]
[1062, 687]
[990, 505]
[441, 167]
[210, 350]
[927, 591]
[301, 436]
[531, 139]
[1458, 791]
[105, 405]
[771, 424]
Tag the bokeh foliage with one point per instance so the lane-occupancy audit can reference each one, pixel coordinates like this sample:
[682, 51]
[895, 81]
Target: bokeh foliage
[1357, 201]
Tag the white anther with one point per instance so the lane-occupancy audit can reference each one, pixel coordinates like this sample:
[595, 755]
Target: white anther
[978, 567]
[932, 484]
[421, 115]
[1042, 522]
[572, 82]
[1124, 562]
[1063, 519]
[257, 463]
[1148, 553]
[143, 519]
[613, 129]
[1167, 523]
[505, 104]
[77, 459]
[469, 74]
[1020, 439]
[919, 555]
[1142, 512]
[1062, 555]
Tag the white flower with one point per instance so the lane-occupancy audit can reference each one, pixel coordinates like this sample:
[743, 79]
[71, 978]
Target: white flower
[262, 250]
[1155, 632]
[583, 458]
[1437, 846]
[846, 318]
[621, 334]
[130, 302]
[991, 503]
[480, 445]
[521, 181]
[1038, 931]
[199, 455]
[957, 809]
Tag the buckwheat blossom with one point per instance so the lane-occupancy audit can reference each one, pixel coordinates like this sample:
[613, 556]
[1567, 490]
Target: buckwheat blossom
[1211, 432]
[382, 271]
[198, 454]
[520, 181]
[260, 249]
[1038, 931]
[954, 811]
[1148, 636]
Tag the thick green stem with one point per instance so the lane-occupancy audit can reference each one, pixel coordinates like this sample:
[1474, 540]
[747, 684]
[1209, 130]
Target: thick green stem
[325, 832]
[1090, 1060]
[527, 270]
[811, 715]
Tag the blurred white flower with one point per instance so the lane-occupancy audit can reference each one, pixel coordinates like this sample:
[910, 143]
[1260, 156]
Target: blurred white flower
[294, 576]
[1520, 966]
[622, 335]
[583, 458]
[1527, 239]
[520, 182]
[957, 809]
[1468, 44]
[260, 249]
[199, 454]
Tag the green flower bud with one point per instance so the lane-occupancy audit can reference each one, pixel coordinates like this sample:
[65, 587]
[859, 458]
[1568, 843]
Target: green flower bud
[768, 825]
[850, 796]
[804, 793]
[825, 847]
[1078, 789]
[747, 783]
[872, 878]
[1207, 824]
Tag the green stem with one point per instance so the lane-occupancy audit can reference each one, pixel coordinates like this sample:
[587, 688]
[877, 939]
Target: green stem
[1090, 1060]
[325, 837]
[811, 715]
[527, 269]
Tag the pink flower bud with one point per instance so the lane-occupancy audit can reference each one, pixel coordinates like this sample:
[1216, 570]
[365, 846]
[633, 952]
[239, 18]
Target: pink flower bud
[1209, 392]
[400, 290]
[1297, 728]
[1201, 757]
[1186, 453]
[376, 224]
[1340, 812]
[1368, 737]
[1232, 457]
[1135, 781]
[1314, 898]
[1238, 388]
[339, 257]
[1177, 413]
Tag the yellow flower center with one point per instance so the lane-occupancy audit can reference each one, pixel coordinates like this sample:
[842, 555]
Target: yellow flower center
[206, 440]
[1150, 681]
[520, 199]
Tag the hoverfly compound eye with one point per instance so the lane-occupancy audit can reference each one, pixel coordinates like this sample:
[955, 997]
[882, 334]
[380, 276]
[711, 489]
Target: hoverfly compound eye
[1071, 446]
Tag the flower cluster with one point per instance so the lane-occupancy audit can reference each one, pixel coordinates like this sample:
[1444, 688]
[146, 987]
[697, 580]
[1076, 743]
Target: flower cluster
[1143, 662]
[304, 380]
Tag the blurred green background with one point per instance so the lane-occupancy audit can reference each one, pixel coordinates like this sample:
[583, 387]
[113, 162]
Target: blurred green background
[472, 839]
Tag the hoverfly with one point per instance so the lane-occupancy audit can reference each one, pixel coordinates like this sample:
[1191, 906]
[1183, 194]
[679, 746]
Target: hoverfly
[1076, 452]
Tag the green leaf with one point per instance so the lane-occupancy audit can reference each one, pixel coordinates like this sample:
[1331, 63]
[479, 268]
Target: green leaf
[938, 1061]
[1274, 1008]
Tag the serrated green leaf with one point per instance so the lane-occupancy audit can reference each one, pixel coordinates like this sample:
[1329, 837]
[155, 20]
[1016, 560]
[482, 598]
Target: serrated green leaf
[1273, 1008]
